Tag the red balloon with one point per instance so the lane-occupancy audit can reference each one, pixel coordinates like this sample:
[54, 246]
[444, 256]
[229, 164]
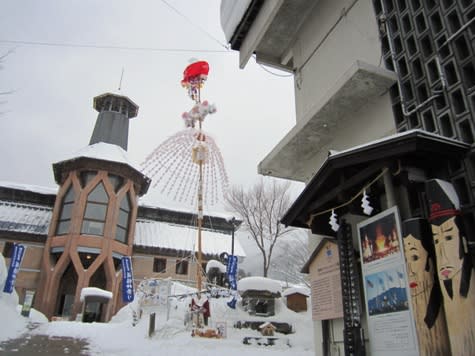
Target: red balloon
[200, 68]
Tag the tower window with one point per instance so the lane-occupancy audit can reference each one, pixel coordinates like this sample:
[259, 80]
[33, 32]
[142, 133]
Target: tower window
[95, 213]
[181, 267]
[159, 265]
[8, 249]
[86, 176]
[64, 220]
[122, 228]
[116, 181]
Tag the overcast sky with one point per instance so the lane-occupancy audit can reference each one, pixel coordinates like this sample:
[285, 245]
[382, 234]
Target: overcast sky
[49, 115]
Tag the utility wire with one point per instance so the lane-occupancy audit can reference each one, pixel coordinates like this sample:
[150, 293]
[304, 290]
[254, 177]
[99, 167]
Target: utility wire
[195, 25]
[81, 45]
[275, 74]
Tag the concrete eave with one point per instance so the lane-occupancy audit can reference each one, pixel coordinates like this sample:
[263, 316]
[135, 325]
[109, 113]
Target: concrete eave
[270, 35]
[290, 158]
[258, 30]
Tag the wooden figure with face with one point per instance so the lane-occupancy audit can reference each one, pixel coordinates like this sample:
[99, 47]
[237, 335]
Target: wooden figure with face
[426, 296]
[454, 266]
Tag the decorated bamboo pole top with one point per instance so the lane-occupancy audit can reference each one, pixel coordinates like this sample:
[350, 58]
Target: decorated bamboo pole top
[188, 166]
[194, 77]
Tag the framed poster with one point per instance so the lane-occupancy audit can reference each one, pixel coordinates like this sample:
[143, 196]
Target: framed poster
[391, 324]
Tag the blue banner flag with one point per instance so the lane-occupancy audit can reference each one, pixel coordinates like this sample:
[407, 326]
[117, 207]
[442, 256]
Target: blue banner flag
[231, 271]
[127, 280]
[17, 256]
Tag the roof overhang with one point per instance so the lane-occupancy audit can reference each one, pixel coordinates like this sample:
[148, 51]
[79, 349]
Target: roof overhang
[292, 156]
[62, 169]
[104, 100]
[268, 30]
[345, 173]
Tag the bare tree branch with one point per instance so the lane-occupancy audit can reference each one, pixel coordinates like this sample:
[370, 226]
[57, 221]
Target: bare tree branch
[291, 257]
[261, 208]
[2, 93]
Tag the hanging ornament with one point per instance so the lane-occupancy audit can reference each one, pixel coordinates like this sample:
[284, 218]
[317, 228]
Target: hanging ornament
[334, 222]
[194, 77]
[198, 113]
[367, 209]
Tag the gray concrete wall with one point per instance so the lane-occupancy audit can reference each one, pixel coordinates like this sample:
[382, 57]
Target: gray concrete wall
[355, 37]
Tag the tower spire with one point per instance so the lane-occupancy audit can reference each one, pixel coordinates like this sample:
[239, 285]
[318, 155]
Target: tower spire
[112, 124]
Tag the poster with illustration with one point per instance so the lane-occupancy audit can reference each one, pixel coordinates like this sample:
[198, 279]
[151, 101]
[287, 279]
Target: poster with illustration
[391, 324]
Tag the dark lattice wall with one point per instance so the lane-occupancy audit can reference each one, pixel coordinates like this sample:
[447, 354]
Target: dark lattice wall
[431, 46]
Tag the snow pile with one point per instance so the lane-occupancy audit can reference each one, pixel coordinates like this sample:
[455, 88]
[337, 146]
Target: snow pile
[215, 264]
[259, 283]
[10, 310]
[128, 331]
[94, 292]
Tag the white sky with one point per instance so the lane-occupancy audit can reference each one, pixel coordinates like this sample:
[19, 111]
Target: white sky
[50, 113]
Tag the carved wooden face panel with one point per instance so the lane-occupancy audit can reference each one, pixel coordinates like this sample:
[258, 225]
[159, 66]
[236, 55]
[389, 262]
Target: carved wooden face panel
[417, 259]
[447, 241]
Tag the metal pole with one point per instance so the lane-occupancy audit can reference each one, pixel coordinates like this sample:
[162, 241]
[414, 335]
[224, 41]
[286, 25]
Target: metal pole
[200, 218]
[232, 243]
[200, 222]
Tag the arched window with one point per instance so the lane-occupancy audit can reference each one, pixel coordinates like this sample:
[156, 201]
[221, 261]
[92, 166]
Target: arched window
[116, 181]
[96, 211]
[64, 220]
[85, 177]
[122, 228]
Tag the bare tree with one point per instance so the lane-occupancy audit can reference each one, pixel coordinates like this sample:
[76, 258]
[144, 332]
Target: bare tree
[291, 256]
[261, 208]
[4, 93]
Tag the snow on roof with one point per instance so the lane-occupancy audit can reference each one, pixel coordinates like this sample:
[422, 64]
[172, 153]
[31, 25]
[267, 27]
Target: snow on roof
[35, 219]
[146, 202]
[25, 218]
[103, 151]
[94, 292]
[215, 264]
[293, 290]
[182, 238]
[231, 13]
[267, 324]
[29, 187]
[334, 153]
[259, 283]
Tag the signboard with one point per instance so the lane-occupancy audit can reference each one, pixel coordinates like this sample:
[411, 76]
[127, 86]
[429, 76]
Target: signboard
[388, 308]
[154, 292]
[326, 283]
[127, 280]
[15, 262]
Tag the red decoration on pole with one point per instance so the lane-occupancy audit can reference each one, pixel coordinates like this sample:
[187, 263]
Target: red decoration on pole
[196, 70]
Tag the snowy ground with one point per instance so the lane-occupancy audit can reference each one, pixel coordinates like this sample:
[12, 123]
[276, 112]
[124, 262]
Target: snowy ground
[120, 337]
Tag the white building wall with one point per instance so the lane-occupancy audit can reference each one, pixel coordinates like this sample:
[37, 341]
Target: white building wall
[355, 37]
[340, 43]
